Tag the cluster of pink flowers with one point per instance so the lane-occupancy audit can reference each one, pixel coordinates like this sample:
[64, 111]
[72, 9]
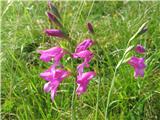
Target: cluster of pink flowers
[138, 63]
[56, 73]
[83, 53]
[53, 76]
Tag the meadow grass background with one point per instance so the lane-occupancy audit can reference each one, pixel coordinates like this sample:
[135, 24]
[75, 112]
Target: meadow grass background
[22, 95]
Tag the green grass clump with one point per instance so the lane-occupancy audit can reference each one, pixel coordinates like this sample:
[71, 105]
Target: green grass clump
[115, 22]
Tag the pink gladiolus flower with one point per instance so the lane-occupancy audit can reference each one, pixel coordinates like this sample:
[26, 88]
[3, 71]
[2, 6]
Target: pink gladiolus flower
[56, 52]
[84, 45]
[54, 32]
[48, 74]
[90, 27]
[53, 80]
[83, 82]
[86, 55]
[139, 66]
[140, 49]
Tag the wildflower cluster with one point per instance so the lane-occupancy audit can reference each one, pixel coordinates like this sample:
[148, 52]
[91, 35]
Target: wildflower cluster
[56, 73]
[53, 76]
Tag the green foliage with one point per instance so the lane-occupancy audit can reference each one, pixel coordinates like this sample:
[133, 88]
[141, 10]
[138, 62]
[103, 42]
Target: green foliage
[22, 95]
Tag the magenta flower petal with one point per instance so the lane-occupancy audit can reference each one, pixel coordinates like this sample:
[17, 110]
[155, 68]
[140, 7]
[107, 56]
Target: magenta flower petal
[140, 49]
[45, 57]
[138, 65]
[53, 92]
[56, 52]
[85, 76]
[52, 87]
[80, 68]
[81, 89]
[90, 28]
[53, 51]
[138, 72]
[84, 45]
[55, 85]
[86, 55]
[83, 82]
[49, 75]
[55, 33]
[47, 87]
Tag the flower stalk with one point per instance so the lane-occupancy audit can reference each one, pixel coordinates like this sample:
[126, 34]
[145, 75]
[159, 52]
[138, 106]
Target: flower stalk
[119, 64]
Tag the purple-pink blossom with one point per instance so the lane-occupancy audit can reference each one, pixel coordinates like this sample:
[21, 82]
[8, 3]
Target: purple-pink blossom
[53, 80]
[86, 55]
[83, 82]
[54, 32]
[56, 52]
[51, 87]
[84, 45]
[138, 65]
[140, 49]
[48, 74]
